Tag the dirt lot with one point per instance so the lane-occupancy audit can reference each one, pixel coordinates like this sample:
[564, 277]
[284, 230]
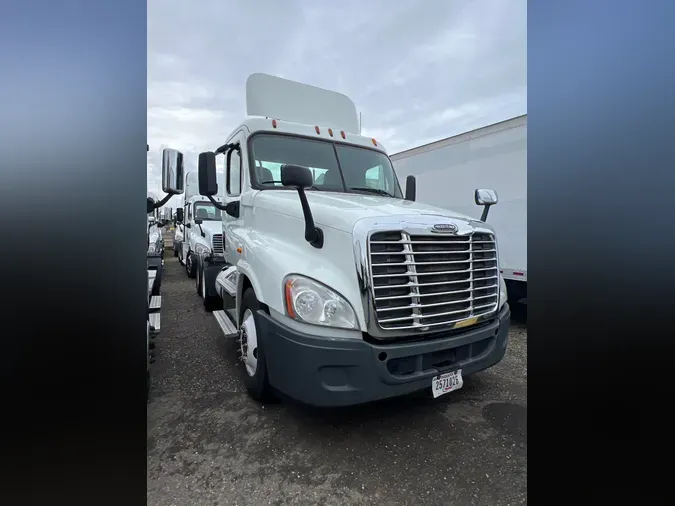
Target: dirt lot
[209, 444]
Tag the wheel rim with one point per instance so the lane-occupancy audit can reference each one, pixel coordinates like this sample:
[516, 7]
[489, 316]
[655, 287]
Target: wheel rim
[188, 263]
[203, 287]
[248, 343]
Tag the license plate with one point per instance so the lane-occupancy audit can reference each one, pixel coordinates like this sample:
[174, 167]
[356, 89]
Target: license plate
[447, 382]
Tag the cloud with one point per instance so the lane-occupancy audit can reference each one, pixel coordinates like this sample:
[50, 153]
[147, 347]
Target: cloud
[416, 73]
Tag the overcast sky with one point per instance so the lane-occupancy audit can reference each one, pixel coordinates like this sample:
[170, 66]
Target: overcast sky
[417, 71]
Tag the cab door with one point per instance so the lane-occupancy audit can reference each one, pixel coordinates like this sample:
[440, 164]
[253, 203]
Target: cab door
[233, 230]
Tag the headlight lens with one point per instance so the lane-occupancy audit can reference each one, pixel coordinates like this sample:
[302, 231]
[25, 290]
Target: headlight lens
[202, 249]
[311, 302]
[503, 295]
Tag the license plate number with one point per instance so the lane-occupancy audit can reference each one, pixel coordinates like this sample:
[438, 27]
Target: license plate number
[447, 382]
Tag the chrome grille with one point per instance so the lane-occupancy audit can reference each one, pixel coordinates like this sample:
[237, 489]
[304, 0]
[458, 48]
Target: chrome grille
[421, 281]
[217, 243]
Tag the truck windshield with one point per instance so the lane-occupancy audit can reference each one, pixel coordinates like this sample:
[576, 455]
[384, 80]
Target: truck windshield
[335, 167]
[207, 211]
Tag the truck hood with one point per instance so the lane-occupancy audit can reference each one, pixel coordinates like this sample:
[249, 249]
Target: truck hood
[342, 210]
[211, 228]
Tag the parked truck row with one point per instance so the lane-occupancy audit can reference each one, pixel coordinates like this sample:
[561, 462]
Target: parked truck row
[338, 288]
[172, 184]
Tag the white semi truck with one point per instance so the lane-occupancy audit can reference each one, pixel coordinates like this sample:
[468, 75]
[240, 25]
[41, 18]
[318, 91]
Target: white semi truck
[202, 240]
[494, 156]
[172, 184]
[338, 289]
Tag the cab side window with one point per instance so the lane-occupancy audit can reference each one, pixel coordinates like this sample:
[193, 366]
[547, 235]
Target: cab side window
[233, 174]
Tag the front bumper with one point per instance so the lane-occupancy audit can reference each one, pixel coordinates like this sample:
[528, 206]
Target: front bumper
[344, 372]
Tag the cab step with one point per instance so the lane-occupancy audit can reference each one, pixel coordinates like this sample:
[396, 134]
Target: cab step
[227, 280]
[225, 324]
[154, 323]
[156, 303]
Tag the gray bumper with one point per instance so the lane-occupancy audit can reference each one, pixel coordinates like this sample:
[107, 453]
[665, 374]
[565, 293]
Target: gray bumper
[346, 372]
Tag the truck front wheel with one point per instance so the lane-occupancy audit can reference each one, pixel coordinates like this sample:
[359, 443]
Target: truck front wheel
[251, 352]
[190, 265]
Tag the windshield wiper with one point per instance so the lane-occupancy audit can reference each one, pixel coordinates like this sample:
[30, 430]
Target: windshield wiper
[372, 190]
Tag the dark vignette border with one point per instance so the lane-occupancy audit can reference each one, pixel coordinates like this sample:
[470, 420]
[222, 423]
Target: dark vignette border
[73, 183]
[601, 243]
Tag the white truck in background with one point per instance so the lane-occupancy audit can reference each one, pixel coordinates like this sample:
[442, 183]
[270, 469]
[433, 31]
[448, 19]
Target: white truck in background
[202, 233]
[494, 156]
[338, 289]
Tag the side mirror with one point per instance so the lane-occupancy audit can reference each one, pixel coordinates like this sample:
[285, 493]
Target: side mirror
[296, 176]
[150, 205]
[410, 188]
[179, 215]
[485, 198]
[198, 221]
[173, 176]
[300, 177]
[208, 185]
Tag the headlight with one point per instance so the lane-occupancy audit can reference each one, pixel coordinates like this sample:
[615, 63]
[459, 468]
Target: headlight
[201, 249]
[503, 295]
[311, 302]
[152, 249]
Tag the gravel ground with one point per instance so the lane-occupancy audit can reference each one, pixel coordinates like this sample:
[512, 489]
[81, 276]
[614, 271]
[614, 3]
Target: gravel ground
[210, 444]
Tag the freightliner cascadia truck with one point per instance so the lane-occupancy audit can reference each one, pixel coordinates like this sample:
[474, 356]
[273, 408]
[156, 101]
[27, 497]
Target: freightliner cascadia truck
[338, 288]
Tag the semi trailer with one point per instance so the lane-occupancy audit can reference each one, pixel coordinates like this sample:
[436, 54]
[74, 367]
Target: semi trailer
[493, 156]
[338, 288]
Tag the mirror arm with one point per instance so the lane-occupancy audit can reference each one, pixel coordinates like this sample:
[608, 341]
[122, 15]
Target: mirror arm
[218, 205]
[313, 234]
[225, 147]
[484, 216]
[163, 201]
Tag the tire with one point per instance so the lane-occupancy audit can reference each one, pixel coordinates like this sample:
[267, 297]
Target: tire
[256, 383]
[211, 302]
[198, 278]
[175, 252]
[190, 265]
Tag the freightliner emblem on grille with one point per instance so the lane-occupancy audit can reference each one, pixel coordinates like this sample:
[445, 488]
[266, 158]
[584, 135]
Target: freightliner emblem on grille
[445, 228]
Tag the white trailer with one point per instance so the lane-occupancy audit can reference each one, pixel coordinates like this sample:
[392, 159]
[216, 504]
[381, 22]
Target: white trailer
[337, 288]
[494, 157]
